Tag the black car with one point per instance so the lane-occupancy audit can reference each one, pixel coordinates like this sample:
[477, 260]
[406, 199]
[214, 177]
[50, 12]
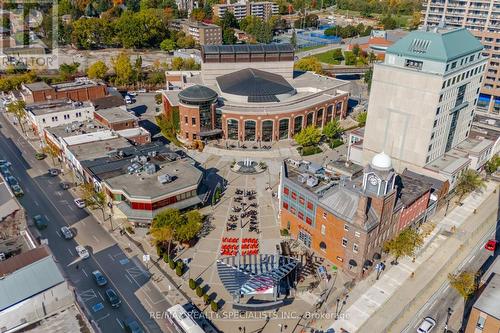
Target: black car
[132, 326]
[113, 298]
[54, 172]
[65, 185]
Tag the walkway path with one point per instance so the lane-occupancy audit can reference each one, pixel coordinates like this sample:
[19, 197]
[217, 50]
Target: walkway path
[388, 298]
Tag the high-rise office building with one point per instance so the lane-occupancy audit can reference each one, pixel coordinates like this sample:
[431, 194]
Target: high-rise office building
[481, 18]
[423, 98]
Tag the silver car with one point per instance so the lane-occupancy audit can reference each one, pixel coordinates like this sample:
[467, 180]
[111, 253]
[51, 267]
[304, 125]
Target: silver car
[427, 325]
[67, 233]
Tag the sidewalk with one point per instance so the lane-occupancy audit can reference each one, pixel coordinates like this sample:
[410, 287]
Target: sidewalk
[392, 295]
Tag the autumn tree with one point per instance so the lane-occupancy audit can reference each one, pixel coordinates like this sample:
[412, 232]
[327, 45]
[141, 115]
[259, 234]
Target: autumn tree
[198, 14]
[308, 136]
[123, 69]
[469, 181]
[465, 283]
[332, 129]
[405, 244]
[492, 165]
[309, 64]
[53, 152]
[18, 110]
[97, 70]
[94, 199]
[167, 45]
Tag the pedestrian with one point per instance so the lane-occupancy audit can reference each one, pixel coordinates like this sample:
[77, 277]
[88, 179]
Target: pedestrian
[76, 266]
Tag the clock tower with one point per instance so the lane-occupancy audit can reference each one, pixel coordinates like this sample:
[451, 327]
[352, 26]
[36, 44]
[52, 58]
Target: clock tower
[379, 176]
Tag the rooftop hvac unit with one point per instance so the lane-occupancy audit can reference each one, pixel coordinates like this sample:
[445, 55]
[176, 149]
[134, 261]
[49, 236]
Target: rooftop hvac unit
[152, 153]
[312, 181]
[164, 179]
[302, 178]
[143, 159]
[150, 168]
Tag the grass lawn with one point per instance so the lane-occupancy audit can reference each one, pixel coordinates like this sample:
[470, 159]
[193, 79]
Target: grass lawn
[326, 57]
[303, 49]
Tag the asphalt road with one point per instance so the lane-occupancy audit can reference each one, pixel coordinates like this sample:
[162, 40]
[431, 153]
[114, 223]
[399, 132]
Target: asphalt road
[479, 259]
[125, 274]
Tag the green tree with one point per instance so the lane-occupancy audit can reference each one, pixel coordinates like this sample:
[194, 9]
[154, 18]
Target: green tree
[468, 182]
[228, 36]
[18, 110]
[309, 64]
[415, 20]
[465, 283]
[192, 226]
[123, 69]
[91, 33]
[404, 244]
[97, 70]
[228, 20]
[308, 136]
[356, 50]
[177, 63]
[332, 129]
[492, 165]
[185, 42]
[350, 58]
[161, 235]
[368, 77]
[389, 22]
[167, 45]
[293, 39]
[337, 54]
[94, 199]
[372, 57]
[68, 71]
[147, 28]
[361, 118]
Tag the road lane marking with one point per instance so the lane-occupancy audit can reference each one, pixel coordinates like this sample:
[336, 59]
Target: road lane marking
[119, 322]
[100, 295]
[47, 218]
[87, 295]
[71, 253]
[128, 279]
[36, 203]
[96, 239]
[58, 233]
[85, 273]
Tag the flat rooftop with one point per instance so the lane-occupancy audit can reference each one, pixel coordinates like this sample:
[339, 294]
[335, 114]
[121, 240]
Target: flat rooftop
[76, 128]
[37, 86]
[474, 146]
[77, 84]
[96, 148]
[489, 300]
[447, 164]
[116, 115]
[61, 105]
[107, 102]
[147, 186]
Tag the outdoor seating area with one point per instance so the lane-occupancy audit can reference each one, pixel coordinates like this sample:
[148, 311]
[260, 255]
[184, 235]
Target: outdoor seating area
[230, 246]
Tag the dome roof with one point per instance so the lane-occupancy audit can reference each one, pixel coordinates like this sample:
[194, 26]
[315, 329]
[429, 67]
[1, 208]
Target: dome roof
[381, 161]
[197, 93]
[256, 85]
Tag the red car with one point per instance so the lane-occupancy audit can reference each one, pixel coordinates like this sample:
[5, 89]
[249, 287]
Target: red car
[491, 245]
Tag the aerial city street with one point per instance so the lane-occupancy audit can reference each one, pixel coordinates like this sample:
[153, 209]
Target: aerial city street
[249, 166]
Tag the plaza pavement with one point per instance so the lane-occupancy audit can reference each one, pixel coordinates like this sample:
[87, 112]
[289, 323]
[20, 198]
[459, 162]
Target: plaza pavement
[376, 305]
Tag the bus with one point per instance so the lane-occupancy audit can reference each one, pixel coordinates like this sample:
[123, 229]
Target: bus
[182, 320]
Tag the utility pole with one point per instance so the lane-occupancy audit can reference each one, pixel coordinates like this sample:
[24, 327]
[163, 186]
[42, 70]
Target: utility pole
[448, 315]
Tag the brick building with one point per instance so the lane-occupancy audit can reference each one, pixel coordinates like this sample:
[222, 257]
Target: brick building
[202, 33]
[78, 90]
[347, 222]
[485, 313]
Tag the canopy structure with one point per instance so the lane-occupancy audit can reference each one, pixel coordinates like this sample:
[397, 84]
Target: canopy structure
[254, 274]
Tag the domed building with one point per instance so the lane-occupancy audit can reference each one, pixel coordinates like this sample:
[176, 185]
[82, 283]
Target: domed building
[379, 176]
[250, 104]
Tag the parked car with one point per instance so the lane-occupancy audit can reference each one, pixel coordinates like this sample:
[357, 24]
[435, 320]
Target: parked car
[128, 99]
[6, 163]
[491, 245]
[80, 203]
[18, 191]
[40, 222]
[113, 298]
[142, 90]
[67, 233]
[4, 170]
[40, 156]
[132, 93]
[132, 326]
[54, 172]
[82, 252]
[65, 185]
[427, 325]
[99, 278]
[11, 180]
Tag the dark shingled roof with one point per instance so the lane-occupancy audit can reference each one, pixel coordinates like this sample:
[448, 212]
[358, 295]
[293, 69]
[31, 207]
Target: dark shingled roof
[411, 189]
[255, 84]
[107, 102]
[197, 93]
